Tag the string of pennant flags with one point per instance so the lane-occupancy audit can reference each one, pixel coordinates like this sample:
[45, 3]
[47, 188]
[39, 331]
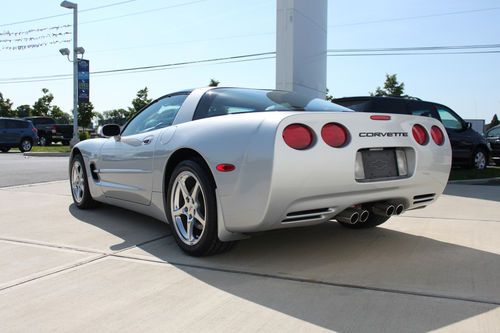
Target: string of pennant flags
[34, 38]
[30, 39]
[30, 31]
[33, 46]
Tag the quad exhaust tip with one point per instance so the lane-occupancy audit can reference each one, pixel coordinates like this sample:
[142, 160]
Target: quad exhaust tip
[400, 209]
[384, 209]
[349, 216]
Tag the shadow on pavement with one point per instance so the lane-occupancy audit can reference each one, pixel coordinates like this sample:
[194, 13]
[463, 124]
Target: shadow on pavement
[395, 281]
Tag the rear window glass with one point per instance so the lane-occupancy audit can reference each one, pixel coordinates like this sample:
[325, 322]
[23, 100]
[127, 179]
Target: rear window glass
[222, 101]
[356, 105]
[17, 124]
[389, 106]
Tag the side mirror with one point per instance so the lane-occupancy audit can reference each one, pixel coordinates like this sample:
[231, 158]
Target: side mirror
[468, 125]
[110, 130]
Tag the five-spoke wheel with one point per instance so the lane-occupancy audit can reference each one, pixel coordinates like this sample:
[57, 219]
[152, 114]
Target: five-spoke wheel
[192, 209]
[80, 190]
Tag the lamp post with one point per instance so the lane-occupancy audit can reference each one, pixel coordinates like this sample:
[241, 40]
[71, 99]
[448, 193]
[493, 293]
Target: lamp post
[74, 6]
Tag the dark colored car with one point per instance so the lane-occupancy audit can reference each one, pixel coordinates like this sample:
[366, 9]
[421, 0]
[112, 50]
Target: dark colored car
[469, 148]
[493, 137]
[49, 131]
[17, 133]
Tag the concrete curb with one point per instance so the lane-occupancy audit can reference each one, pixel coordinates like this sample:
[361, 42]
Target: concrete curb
[46, 154]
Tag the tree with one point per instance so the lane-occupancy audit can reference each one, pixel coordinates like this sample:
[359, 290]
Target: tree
[213, 83]
[24, 110]
[86, 114]
[6, 107]
[494, 122]
[43, 107]
[116, 116]
[391, 87]
[329, 97]
[140, 101]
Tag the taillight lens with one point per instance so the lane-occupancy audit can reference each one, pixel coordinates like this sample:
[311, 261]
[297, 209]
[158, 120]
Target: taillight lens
[420, 134]
[334, 135]
[298, 136]
[437, 135]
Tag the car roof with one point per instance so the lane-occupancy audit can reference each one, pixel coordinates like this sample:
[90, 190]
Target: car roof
[15, 119]
[385, 98]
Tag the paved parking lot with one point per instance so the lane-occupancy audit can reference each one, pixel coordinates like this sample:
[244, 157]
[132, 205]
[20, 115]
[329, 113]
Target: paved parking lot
[17, 169]
[109, 269]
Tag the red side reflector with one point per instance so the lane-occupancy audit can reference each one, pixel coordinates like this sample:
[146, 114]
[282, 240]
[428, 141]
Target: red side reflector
[420, 134]
[380, 117]
[437, 135]
[225, 167]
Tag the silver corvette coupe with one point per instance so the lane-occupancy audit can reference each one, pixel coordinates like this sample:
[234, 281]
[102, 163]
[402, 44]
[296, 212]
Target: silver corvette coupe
[219, 164]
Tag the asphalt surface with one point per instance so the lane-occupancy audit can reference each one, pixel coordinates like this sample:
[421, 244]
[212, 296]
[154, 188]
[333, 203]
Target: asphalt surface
[16, 169]
[109, 269]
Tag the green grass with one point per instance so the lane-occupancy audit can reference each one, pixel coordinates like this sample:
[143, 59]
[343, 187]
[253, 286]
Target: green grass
[461, 174]
[49, 149]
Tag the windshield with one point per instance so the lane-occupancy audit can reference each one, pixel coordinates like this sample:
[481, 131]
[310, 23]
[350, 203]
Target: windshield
[222, 101]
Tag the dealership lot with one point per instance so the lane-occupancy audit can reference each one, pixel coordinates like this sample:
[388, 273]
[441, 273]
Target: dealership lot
[110, 269]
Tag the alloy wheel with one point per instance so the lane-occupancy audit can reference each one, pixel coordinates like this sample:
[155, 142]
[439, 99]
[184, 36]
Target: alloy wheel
[188, 207]
[77, 181]
[480, 160]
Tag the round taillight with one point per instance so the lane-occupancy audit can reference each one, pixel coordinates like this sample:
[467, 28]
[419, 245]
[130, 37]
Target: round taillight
[334, 135]
[298, 136]
[437, 135]
[420, 134]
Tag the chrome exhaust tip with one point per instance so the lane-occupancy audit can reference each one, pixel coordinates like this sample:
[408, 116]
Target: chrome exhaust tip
[384, 209]
[364, 215]
[400, 209]
[349, 216]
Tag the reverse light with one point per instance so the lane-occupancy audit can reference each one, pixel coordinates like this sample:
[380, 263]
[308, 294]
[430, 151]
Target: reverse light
[437, 135]
[334, 135]
[298, 136]
[225, 167]
[420, 134]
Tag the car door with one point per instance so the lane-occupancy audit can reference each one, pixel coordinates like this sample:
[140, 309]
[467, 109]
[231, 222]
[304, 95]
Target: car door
[493, 137]
[462, 143]
[125, 166]
[13, 132]
[3, 131]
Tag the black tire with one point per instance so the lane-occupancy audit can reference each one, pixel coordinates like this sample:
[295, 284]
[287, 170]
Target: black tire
[85, 201]
[4, 149]
[207, 242]
[373, 221]
[479, 159]
[25, 145]
[44, 141]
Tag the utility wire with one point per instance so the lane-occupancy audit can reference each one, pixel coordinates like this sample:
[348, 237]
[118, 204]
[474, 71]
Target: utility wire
[65, 14]
[415, 17]
[236, 59]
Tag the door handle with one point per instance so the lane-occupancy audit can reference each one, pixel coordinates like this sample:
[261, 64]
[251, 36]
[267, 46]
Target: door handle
[147, 140]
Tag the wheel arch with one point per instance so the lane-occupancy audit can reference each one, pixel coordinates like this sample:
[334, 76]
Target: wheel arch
[180, 155]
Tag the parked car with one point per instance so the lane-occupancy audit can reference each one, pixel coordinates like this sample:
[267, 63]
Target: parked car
[221, 163]
[493, 137]
[470, 149]
[17, 133]
[49, 131]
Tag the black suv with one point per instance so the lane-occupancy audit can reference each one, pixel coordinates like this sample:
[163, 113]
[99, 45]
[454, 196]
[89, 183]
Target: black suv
[470, 149]
[493, 137]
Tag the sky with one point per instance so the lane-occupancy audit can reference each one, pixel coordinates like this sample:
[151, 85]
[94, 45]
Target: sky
[135, 33]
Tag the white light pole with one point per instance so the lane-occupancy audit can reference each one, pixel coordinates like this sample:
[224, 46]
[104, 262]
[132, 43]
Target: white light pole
[74, 6]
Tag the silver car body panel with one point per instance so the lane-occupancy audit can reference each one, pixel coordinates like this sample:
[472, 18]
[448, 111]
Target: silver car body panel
[273, 185]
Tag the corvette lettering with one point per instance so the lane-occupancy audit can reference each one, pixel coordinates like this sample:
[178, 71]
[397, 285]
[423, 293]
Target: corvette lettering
[382, 134]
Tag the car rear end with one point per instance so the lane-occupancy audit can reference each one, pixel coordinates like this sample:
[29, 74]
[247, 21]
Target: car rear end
[326, 163]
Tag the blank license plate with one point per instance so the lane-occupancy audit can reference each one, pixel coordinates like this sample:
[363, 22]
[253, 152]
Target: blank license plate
[379, 163]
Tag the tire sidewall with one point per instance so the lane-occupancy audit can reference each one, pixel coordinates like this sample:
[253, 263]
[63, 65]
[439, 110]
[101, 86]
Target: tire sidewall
[477, 151]
[208, 188]
[86, 192]
[21, 148]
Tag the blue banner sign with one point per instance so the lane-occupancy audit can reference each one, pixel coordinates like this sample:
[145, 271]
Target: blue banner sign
[83, 81]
